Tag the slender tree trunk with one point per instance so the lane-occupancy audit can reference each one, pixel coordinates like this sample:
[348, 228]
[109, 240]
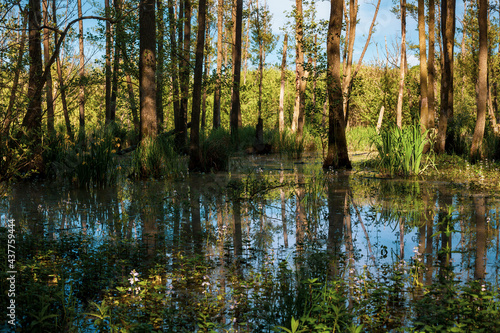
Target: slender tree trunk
[13, 92]
[245, 51]
[62, 86]
[46, 57]
[235, 115]
[133, 106]
[184, 73]
[117, 39]
[431, 114]
[161, 67]
[147, 68]
[399, 111]
[281, 116]
[476, 150]
[337, 156]
[195, 162]
[353, 17]
[217, 90]
[81, 93]
[424, 106]
[174, 70]
[300, 80]
[448, 32]
[108, 64]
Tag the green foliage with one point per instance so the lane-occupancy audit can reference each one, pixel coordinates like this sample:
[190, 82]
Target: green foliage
[401, 150]
[360, 138]
[287, 144]
[156, 158]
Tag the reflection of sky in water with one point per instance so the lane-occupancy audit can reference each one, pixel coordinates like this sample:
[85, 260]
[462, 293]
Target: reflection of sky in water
[101, 213]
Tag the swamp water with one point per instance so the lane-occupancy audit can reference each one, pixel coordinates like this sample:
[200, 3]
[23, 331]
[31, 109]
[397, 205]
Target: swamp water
[253, 249]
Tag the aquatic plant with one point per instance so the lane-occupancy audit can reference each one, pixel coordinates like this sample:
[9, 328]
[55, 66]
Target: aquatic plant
[401, 150]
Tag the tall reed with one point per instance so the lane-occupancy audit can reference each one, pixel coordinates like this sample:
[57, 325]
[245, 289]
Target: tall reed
[401, 150]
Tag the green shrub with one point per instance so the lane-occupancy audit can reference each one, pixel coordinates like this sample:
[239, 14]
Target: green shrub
[216, 150]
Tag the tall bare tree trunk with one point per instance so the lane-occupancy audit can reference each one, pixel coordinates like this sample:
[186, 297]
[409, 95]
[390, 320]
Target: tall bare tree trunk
[431, 114]
[217, 90]
[235, 115]
[399, 111]
[476, 151]
[184, 74]
[174, 68]
[81, 93]
[337, 156]
[108, 64]
[424, 106]
[300, 80]
[195, 162]
[48, 83]
[353, 16]
[147, 68]
[281, 115]
[448, 33]
[161, 67]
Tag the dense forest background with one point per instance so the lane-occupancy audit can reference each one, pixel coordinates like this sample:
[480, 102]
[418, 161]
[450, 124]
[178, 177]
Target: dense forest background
[185, 70]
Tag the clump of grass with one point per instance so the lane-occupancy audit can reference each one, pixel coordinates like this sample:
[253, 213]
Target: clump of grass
[401, 150]
[156, 158]
[216, 150]
[288, 145]
[89, 161]
[360, 138]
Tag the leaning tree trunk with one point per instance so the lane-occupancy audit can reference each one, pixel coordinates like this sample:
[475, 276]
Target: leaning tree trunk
[448, 33]
[147, 68]
[107, 69]
[337, 156]
[13, 92]
[174, 68]
[184, 77]
[482, 95]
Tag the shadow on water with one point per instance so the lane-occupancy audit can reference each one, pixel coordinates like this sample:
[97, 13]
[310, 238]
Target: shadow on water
[248, 250]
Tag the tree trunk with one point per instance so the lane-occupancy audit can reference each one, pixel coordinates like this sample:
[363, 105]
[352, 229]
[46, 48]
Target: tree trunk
[147, 68]
[424, 106]
[353, 13]
[281, 116]
[235, 96]
[448, 33]
[9, 114]
[46, 57]
[217, 90]
[32, 122]
[399, 111]
[174, 68]
[161, 67]
[195, 162]
[431, 67]
[184, 77]
[108, 64]
[300, 80]
[476, 151]
[81, 93]
[337, 156]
